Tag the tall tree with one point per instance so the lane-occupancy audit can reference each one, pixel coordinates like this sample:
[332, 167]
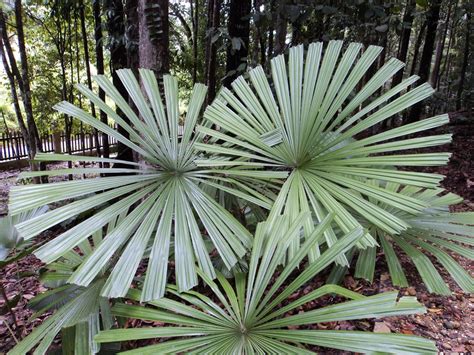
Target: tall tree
[15, 100]
[465, 60]
[440, 47]
[153, 27]
[85, 45]
[194, 7]
[432, 18]
[118, 60]
[131, 34]
[99, 56]
[213, 22]
[30, 130]
[281, 24]
[417, 47]
[407, 23]
[238, 27]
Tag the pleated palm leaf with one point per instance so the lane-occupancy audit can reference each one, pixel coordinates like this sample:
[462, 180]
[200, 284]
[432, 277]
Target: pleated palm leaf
[433, 232]
[165, 190]
[310, 120]
[253, 314]
[9, 236]
[78, 312]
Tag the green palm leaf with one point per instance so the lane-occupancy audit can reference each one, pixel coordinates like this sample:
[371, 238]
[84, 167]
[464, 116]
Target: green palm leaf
[309, 120]
[79, 312]
[434, 231]
[246, 316]
[166, 190]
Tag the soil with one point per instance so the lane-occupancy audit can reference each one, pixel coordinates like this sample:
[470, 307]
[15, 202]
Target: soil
[449, 321]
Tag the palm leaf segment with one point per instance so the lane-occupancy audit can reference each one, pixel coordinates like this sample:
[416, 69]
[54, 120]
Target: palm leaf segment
[248, 316]
[79, 312]
[166, 194]
[433, 231]
[307, 122]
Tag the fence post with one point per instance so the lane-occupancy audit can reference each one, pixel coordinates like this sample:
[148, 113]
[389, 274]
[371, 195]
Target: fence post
[57, 142]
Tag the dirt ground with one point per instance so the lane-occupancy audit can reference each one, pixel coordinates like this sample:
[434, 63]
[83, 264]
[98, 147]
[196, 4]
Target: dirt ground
[449, 320]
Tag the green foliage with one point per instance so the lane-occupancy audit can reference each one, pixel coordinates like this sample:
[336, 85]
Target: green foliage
[295, 150]
[308, 127]
[79, 312]
[9, 236]
[432, 231]
[248, 315]
[167, 193]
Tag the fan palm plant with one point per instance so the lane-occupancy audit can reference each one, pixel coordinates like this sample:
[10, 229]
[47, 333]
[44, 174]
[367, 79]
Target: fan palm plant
[432, 231]
[79, 312]
[166, 191]
[253, 315]
[307, 121]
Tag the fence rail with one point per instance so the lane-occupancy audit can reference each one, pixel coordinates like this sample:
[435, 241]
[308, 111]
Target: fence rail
[13, 146]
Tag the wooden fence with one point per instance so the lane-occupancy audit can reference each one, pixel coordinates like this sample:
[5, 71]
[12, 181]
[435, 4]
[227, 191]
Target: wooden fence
[13, 146]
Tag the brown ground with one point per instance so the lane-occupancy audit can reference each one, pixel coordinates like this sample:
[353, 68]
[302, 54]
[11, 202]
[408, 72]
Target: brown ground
[449, 320]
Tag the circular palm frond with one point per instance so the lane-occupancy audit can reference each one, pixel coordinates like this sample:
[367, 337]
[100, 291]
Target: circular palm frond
[161, 199]
[433, 231]
[258, 312]
[77, 311]
[312, 120]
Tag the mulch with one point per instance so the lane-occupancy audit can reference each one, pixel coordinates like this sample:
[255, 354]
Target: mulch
[449, 321]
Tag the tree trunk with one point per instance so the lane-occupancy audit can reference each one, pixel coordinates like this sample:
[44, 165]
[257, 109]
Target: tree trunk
[26, 94]
[405, 39]
[416, 50]
[99, 54]
[213, 21]
[118, 60]
[195, 21]
[16, 103]
[85, 45]
[238, 26]
[153, 31]
[270, 31]
[260, 34]
[427, 54]
[464, 63]
[440, 49]
[281, 28]
[131, 34]
[443, 70]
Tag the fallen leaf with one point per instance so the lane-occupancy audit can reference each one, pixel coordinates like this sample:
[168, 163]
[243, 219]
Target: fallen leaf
[381, 327]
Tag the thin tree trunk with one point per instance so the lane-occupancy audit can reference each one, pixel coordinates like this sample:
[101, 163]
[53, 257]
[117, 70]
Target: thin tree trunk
[464, 63]
[26, 94]
[440, 49]
[15, 77]
[281, 28]
[195, 21]
[16, 103]
[85, 45]
[404, 39]
[99, 54]
[118, 60]
[416, 50]
[427, 54]
[214, 8]
[270, 31]
[260, 37]
[238, 26]
[132, 34]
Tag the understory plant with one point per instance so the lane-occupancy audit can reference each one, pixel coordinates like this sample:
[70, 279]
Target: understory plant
[79, 312]
[252, 314]
[295, 150]
[166, 190]
[434, 231]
